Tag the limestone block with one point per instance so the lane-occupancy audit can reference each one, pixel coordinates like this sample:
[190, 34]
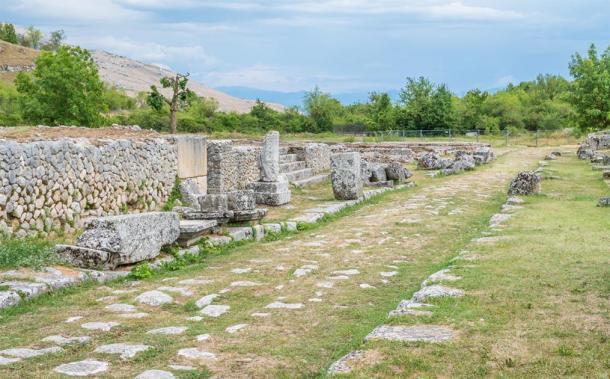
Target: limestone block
[270, 157]
[346, 176]
[241, 200]
[192, 156]
[525, 183]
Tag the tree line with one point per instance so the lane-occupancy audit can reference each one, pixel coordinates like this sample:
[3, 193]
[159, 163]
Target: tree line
[32, 37]
[65, 88]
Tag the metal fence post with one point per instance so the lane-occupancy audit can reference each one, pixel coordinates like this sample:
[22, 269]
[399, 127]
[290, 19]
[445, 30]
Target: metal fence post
[506, 131]
[536, 137]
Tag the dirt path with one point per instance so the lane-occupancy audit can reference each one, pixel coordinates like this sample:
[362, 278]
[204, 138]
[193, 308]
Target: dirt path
[292, 306]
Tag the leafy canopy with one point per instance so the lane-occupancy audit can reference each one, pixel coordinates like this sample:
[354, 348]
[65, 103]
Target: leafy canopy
[64, 88]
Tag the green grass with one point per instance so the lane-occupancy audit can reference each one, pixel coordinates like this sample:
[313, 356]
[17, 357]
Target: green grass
[27, 252]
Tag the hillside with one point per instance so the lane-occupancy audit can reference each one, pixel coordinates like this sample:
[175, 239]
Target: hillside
[124, 73]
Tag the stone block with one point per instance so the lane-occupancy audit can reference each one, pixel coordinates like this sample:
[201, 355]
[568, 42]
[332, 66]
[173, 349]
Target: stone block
[240, 233]
[270, 157]
[604, 202]
[525, 183]
[377, 173]
[249, 215]
[241, 200]
[192, 156]
[213, 203]
[271, 193]
[192, 231]
[346, 175]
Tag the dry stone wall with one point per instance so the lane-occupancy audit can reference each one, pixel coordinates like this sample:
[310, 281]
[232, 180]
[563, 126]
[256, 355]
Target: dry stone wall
[230, 167]
[48, 186]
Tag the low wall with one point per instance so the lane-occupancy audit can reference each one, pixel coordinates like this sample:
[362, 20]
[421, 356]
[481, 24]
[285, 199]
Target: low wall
[48, 186]
[315, 155]
[231, 167]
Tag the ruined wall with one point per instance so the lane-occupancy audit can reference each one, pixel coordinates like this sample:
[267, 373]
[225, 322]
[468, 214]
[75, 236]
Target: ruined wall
[53, 185]
[315, 155]
[231, 167]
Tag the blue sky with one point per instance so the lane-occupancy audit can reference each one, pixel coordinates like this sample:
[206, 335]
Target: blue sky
[340, 45]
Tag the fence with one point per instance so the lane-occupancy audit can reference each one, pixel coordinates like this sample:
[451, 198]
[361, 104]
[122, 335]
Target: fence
[505, 138]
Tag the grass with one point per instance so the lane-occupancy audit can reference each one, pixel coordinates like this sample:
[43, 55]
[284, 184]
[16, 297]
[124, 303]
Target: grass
[27, 252]
[537, 304]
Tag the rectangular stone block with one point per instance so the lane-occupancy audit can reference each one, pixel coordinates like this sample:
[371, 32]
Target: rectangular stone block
[241, 200]
[213, 203]
[192, 156]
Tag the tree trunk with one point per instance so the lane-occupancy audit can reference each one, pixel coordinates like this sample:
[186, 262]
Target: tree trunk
[172, 120]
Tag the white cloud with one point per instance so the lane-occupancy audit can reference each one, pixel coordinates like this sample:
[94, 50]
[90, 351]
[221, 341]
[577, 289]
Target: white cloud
[77, 10]
[152, 52]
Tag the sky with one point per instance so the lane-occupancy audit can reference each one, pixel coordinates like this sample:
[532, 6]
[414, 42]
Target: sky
[338, 45]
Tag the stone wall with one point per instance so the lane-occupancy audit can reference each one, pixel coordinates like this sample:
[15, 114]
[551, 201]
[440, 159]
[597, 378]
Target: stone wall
[48, 186]
[231, 167]
[315, 155]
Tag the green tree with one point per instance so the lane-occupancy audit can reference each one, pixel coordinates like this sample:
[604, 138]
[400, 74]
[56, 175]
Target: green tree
[322, 108]
[425, 105]
[591, 89]
[381, 111]
[181, 96]
[55, 40]
[8, 33]
[64, 88]
[32, 38]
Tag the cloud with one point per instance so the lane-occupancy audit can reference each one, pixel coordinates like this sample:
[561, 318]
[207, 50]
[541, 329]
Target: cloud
[152, 52]
[77, 10]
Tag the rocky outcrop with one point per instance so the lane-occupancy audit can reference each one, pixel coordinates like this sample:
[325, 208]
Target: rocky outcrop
[525, 183]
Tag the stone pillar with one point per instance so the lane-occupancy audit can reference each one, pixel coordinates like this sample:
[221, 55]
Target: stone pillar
[272, 189]
[192, 164]
[346, 175]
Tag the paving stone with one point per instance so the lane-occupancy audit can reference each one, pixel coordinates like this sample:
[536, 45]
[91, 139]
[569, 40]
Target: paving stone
[442, 275]
[156, 374]
[325, 284]
[315, 300]
[183, 291]
[7, 361]
[388, 274]
[342, 366]
[235, 328]
[498, 219]
[244, 283]
[182, 367]
[61, 340]
[196, 354]
[202, 337]
[28, 289]
[436, 291]
[124, 350]
[351, 271]
[304, 270]
[195, 318]
[170, 330]
[241, 270]
[424, 333]
[88, 367]
[282, 305]
[206, 300]
[154, 298]
[196, 282]
[9, 298]
[410, 312]
[121, 308]
[73, 319]
[339, 277]
[30, 353]
[260, 314]
[215, 310]
[103, 326]
[366, 285]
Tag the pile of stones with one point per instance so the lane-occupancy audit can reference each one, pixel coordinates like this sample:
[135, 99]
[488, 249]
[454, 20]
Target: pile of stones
[525, 183]
[596, 148]
[383, 174]
[462, 161]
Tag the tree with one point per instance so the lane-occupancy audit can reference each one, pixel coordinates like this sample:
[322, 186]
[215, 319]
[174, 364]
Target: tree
[181, 97]
[425, 105]
[32, 38]
[64, 88]
[322, 108]
[55, 40]
[381, 111]
[591, 89]
[7, 33]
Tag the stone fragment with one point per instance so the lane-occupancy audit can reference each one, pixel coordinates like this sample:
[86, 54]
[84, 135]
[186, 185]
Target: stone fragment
[436, 291]
[133, 315]
[388, 274]
[154, 298]
[269, 162]
[604, 202]
[282, 305]
[432, 161]
[103, 326]
[206, 300]
[213, 310]
[260, 314]
[235, 328]
[124, 350]
[196, 354]
[183, 291]
[25, 353]
[9, 298]
[27, 289]
[73, 319]
[342, 365]
[525, 183]
[241, 270]
[244, 283]
[88, 367]
[61, 340]
[346, 176]
[7, 361]
[351, 271]
[121, 308]
[156, 374]
[192, 231]
[170, 330]
[442, 275]
[202, 337]
[424, 333]
[196, 282]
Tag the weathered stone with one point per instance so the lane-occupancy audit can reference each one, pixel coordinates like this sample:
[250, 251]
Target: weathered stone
[103, 326]
[170, 330]
[436, 291]
[424, 333]
[282, 305]
[235, 328]
[270, 157]
[61, 340]
[127, 238]
[213, 203]
[342, 366]
[378, 173]
[88, 367]
[125, 350]
[442, 275]
[498, 219]
[215, 310]
[240, 233]
[24, 353]
[121, 308]
[604, 202]
[192, 231]
[206, 300]
[396, 171]
[525, 183]
[483, 155]
[89, 258]
[271, 193]
[192, 156]
[155, 374]
[346, 176]
[241, 200]
[27, 289]
[196, 354]
[9, 298]
[7, 361]
[154, 298]
[432, 161]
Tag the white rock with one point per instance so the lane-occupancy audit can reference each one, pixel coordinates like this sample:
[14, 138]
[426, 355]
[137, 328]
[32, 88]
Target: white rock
[170, 330]
[281, 305]
[73, 319]
[351, 271]
[244, 283]
[195, 354]
[195, 282]
[235, 328]
[241, 270]
[103, 326]
[260, 314]
[156, 374]
[7, 361]
[180, 290]
[388, 274]
[195, 318]
[121, 308]
[124, 350]
[61, 340]
[325, 284]
[215, 310]
[30, 353]
[154, 298]
[133, 315]
[87, 367]
[203, 337]
[206, 300]
[366, 285]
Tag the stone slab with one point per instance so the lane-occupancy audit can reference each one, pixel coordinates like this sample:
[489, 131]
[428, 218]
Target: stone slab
[192, 156]
[417, 333]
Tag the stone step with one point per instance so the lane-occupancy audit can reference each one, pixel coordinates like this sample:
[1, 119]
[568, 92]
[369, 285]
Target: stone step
[292, 166]
[191, 231]
[311, 180]
[284, 158]
[284, 149]
[299, 174]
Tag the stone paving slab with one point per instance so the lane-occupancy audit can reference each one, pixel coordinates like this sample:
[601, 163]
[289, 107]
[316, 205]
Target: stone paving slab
[423, 333]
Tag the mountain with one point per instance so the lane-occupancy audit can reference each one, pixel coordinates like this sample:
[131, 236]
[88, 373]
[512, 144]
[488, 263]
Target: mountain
[124, 73]
[289, 99]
